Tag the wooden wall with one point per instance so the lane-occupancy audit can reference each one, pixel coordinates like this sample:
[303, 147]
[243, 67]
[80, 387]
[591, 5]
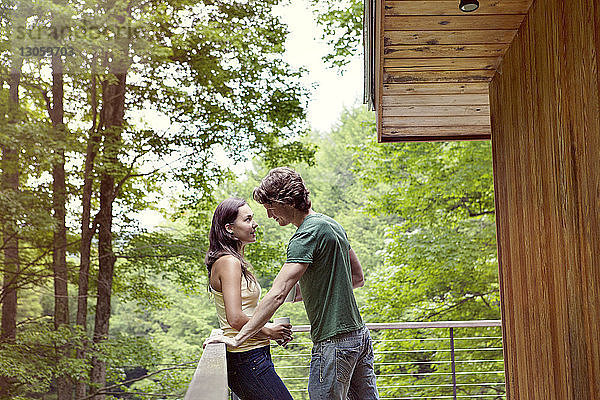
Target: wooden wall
[545, 116]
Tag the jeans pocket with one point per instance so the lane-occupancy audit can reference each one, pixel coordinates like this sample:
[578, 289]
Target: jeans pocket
[345, 361]
[258, 361]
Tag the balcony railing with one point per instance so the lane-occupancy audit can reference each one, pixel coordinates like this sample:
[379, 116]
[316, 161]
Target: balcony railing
[210, 377]
[413, 361]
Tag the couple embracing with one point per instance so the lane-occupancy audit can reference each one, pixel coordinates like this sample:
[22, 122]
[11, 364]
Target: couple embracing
[321, 269]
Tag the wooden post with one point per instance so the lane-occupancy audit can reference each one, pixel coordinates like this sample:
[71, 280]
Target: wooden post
[544, 103]
[210, 379]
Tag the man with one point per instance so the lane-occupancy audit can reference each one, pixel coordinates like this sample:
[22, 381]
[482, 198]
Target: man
[319, 257]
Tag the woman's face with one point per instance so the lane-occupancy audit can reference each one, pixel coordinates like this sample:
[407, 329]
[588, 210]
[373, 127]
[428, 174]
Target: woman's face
[244, 226]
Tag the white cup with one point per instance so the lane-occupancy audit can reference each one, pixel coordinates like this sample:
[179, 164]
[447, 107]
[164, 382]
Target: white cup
[281, 320]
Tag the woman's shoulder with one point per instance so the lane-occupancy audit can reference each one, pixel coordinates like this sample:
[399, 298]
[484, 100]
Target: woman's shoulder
[227, 261]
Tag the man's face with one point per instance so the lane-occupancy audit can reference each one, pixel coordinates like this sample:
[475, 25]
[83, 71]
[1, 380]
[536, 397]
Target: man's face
[282, 213]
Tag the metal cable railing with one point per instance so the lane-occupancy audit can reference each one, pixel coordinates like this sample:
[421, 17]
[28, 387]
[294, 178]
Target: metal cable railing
[417, 361]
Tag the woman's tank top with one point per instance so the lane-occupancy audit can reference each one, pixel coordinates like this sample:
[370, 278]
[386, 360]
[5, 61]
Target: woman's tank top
[250, 296]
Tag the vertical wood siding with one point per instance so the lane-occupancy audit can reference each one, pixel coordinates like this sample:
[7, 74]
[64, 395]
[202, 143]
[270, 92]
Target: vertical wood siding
[545, 117]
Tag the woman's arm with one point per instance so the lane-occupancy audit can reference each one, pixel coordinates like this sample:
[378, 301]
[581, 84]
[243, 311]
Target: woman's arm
[229, 273]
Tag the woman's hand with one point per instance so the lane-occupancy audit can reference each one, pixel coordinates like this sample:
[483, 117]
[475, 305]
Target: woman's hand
[229, 341]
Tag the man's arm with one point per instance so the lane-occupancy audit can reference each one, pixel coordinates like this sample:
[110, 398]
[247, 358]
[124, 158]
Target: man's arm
[358, 278]
[230, 276]
[287, 277]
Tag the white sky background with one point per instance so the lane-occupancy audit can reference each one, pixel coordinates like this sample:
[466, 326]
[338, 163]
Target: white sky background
[304, 47]
[333, 91]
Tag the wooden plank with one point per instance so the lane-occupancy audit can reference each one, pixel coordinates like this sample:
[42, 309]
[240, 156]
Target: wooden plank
[435, 88]
[428, 133]
[436, 130]
[441, 64]
[580, 84]
[431, 111]
[484, 75]
[415, 37]
[210, 378]
[437, 100]
[471, 120]
[546, 135]
[444, 50]
[452, 23]
[450, 7]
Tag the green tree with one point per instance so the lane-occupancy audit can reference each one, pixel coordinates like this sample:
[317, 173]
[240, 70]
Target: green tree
[439, 261]
[342, 23]
[214, 68]
[442, 257]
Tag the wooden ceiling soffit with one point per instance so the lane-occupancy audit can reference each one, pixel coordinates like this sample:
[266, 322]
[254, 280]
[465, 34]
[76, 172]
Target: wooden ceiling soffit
[433, 65]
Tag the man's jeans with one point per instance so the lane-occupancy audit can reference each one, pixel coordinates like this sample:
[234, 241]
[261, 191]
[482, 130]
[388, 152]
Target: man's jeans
[342, 368]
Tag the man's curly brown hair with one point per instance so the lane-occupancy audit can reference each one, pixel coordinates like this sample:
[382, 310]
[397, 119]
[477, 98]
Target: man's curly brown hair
[283, 185]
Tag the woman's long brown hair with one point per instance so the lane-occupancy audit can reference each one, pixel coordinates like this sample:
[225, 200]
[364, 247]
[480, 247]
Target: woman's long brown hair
[223, 243]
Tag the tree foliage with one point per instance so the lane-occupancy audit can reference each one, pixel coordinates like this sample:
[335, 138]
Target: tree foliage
[213, 69]
[441, 259]
[342, 23]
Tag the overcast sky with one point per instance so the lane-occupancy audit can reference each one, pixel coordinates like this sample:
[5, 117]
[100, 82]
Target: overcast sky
[304, 47]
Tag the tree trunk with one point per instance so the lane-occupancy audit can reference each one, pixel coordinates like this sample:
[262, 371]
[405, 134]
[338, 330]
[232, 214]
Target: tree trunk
[112, 113]
[10, 233]
[87, 231]
[59, 198]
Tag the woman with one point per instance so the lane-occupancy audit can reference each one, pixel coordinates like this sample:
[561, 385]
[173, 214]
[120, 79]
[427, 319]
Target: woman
[250, 371]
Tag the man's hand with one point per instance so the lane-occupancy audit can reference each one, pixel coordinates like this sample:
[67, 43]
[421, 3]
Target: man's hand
[278, 331]
[229, 341]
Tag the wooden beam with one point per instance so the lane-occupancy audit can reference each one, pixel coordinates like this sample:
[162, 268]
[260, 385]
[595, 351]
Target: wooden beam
[484, 75]
[452, 23]
[432, 111]
[406, 122]
[395, 38]
[379, 57]
[450, 7]
[435, 88]
[436, 100]
[437, 130]
[443, 50]
[441, 64]
[429, 133]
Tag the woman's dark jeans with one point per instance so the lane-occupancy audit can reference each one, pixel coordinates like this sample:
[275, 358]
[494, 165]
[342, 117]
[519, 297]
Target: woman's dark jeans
[251, 375]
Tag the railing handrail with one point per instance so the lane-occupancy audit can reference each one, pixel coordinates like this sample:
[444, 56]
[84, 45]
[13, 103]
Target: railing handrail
[418, 325]
[210, 378]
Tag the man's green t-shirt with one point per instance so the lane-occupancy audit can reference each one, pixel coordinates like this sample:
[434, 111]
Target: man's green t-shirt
[327, 283]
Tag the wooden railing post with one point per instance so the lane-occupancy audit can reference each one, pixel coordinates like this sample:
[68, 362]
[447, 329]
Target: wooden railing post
[210, 379]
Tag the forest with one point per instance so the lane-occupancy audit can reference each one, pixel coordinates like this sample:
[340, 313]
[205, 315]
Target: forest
[114, 109]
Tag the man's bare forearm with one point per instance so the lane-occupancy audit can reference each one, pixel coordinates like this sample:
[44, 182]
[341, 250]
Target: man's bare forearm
[285, 280]
[263, 313]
